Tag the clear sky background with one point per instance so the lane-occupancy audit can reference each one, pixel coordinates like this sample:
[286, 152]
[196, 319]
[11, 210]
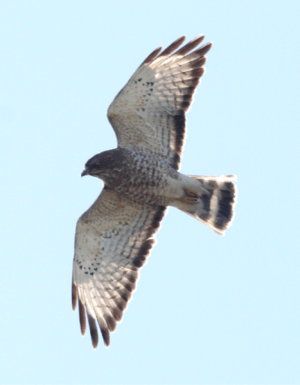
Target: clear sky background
[208, 309]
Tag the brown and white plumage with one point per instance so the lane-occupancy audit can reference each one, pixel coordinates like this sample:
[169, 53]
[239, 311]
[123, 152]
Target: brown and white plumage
[112, 241]
[149, 112]
[114, 237]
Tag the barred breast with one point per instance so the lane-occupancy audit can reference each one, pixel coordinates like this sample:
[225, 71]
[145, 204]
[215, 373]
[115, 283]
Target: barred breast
[142, 178]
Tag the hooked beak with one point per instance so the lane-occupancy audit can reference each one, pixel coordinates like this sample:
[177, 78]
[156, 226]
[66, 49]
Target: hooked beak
[84, 172]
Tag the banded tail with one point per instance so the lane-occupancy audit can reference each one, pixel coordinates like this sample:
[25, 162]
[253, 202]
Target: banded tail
[214, 204]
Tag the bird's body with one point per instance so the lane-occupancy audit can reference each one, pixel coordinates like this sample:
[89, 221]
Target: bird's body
[144, 178]
[141, 178]
[150, 179]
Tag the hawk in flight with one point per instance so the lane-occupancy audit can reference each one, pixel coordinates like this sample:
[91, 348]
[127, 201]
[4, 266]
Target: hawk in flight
[115, 235]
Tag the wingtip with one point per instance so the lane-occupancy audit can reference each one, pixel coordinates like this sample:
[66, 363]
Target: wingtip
[181, 39]
[149, 59]
[202, 51]
[199, 37]
[105, 335]
[190, 45]
[208, 45]
[93, 331]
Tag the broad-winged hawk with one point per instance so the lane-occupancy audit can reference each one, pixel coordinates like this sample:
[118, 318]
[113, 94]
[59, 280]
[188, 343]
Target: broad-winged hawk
[115, 235]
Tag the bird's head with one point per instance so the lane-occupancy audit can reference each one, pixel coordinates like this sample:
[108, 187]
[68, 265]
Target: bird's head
[95, 166]
[101, 164]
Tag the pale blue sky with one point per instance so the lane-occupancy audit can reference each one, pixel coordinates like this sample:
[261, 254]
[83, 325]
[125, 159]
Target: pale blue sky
[208, 309]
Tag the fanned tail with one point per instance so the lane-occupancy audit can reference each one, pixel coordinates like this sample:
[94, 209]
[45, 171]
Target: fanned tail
[214, 205]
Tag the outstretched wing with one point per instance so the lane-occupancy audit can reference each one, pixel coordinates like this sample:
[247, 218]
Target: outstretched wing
[148, 114]
[113, 239]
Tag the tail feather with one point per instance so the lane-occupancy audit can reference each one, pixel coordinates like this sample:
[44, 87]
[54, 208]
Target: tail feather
[215, 203]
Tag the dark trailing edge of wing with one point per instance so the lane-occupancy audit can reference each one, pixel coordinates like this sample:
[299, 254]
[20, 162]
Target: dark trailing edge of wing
[125, 291]
[108, 324]
[196, 62]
